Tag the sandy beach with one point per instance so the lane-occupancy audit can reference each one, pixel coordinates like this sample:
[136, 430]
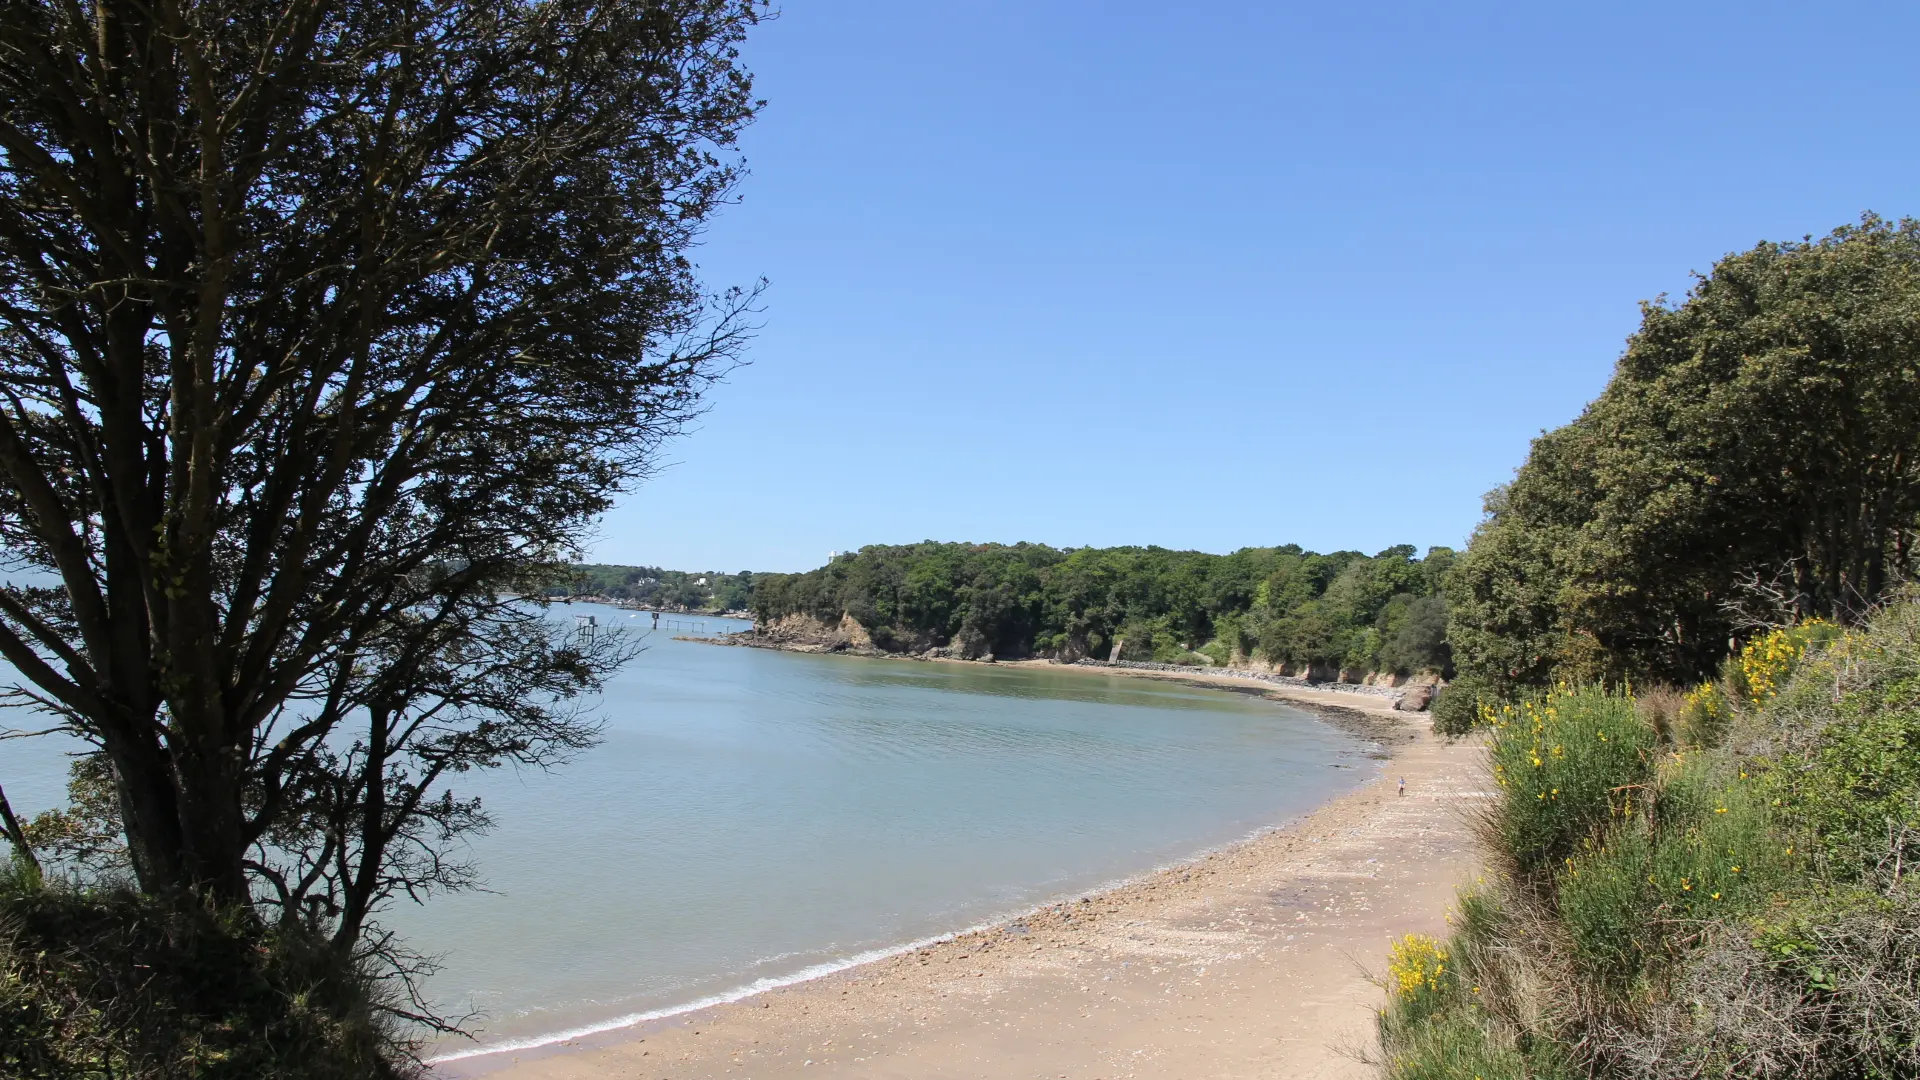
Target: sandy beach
[1249, 962]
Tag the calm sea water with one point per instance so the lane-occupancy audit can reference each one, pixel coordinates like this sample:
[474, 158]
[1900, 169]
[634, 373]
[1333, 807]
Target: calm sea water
[756, 816]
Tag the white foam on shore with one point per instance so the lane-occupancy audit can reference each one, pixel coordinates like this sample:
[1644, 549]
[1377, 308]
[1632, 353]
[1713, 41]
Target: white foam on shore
[726, 997]
[832, 967]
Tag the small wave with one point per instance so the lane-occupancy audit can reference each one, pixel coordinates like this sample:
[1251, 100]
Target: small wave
[725, 997]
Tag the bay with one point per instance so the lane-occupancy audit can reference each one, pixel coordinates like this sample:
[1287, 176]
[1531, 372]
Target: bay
[753, 817]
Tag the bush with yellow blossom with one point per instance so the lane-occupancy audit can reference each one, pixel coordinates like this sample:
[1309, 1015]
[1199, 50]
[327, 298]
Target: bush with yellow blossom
[1417, 973]
[1564, 762]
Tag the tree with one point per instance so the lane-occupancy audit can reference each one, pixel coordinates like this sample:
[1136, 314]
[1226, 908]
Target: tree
[326, 329]
[1414, 635]
[1765, 429]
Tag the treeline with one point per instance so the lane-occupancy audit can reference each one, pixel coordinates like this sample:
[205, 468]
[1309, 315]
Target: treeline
[1326, 613]
[666, 590]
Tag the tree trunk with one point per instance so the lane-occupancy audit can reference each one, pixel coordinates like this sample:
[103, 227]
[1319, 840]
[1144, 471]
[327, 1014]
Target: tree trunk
[212, 823]
[149, 811]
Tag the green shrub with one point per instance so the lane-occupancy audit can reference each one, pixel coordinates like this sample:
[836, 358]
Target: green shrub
[1717, 884]
[1697, 845]
[1605, 903]
[1718, 855]
[1704, 717]
[1418, 978]
[1825, 988]
[1565, 762]
[1458, 708]
[1764, 666]
[1437, 1026]
[1855, 795]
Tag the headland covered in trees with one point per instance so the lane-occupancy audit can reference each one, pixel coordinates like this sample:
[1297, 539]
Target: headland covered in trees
[1326, 616]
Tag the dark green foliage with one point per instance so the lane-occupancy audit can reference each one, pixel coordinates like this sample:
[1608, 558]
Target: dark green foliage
[1322, 613]
[1457, 708]
[1413, 635]
[85, 834]
[1758, 448]
[107, 984]
[327, 333]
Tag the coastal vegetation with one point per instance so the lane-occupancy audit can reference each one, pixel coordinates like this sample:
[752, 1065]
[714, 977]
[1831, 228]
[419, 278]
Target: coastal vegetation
[1687, 631]
[1710, 884]
[1326, 613]
[103, 982]
[652, 587]
[328, 331]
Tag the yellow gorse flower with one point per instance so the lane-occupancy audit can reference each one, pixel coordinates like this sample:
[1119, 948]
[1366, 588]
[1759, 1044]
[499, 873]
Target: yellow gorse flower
[1766, 662]
[1415, 964]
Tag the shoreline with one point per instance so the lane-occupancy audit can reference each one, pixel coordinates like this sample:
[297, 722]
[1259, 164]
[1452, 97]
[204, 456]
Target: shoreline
[635, 1023]
[1322, 698]
[781, 1023]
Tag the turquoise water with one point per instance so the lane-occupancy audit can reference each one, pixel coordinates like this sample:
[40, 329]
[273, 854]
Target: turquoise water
[755, 816]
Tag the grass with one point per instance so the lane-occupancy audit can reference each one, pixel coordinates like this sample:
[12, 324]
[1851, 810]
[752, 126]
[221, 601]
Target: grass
[1440, 1022]
[1457, 1046]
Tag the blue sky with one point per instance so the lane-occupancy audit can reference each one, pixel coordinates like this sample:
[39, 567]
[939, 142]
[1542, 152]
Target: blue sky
[1210, 275]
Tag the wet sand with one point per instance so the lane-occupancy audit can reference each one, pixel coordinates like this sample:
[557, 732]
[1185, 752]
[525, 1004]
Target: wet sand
[1250, 962]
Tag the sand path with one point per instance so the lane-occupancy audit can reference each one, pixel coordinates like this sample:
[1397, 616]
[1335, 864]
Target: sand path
[1246, 963]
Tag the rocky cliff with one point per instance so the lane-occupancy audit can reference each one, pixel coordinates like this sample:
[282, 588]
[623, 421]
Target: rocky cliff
[804, 632]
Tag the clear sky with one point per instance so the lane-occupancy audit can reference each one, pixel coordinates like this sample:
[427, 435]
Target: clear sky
[1213, 275]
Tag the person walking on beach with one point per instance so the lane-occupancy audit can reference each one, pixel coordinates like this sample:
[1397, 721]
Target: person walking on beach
[1403, 785]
